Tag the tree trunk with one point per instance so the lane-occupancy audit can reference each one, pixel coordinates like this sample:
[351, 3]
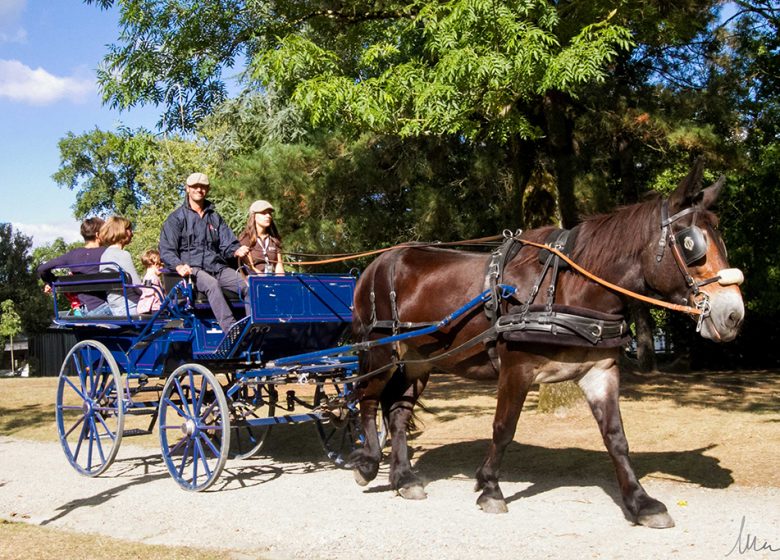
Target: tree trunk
[560, 144]
[645, 327]
[523, 160]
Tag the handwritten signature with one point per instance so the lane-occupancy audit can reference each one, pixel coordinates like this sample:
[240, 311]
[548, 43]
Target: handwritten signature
[746, 542]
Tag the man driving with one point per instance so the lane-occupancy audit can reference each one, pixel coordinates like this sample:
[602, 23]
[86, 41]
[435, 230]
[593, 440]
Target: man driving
[197, 242]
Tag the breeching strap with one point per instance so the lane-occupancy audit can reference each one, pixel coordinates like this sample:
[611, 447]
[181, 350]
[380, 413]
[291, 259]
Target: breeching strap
[610, 285]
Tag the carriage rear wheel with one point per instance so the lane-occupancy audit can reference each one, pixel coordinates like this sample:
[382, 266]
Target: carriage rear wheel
[90, 414]
[194, 427]
[340, 429]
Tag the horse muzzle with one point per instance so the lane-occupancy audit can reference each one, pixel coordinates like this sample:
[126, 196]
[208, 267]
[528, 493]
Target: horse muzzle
[725, 310]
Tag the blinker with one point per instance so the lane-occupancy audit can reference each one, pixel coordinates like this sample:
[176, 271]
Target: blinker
[692, 243]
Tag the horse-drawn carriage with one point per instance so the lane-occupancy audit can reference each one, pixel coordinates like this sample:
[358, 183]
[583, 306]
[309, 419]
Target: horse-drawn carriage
[216, 397]
[213, 395]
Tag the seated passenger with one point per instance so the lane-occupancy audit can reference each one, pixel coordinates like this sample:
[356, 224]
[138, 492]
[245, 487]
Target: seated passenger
[197, 242]
[263, 240]
[116, 234]
[150, 298]
[81, 260]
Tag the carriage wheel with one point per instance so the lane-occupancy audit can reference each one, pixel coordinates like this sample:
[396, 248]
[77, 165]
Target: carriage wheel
[341, 432]
[251, 403]
[194, 427]
[90, 414]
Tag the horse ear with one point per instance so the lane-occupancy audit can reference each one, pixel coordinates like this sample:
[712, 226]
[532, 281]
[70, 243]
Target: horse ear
[710, 195]
[684, 194]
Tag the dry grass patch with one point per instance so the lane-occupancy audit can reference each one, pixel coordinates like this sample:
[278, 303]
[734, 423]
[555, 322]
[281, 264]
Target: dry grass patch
[22, 541]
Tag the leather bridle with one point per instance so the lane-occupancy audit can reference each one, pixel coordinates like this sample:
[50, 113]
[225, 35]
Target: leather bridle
[688, 246]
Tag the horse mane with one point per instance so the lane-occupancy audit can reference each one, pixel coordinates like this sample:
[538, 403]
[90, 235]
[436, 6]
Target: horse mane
[623, 234]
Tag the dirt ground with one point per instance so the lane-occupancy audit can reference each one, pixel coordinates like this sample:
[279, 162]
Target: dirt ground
[708, 445]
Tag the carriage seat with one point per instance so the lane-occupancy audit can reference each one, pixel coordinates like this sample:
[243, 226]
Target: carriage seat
[171, 278]
[93, 282]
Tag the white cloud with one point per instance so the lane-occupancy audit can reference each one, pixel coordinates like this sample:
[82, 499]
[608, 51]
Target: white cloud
[43, 234]
[21, 83]
[10, 14]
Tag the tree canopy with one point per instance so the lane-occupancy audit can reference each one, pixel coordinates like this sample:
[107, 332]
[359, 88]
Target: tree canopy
[368, 123]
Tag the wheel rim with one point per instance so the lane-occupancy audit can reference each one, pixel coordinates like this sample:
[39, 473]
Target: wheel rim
[194, 427]
[90, 414]
[251, 403]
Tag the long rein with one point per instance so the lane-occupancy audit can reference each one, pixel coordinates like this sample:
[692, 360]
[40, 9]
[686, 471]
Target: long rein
[609, 285]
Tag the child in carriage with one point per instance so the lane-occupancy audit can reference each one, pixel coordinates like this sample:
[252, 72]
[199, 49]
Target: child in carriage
[150, 296]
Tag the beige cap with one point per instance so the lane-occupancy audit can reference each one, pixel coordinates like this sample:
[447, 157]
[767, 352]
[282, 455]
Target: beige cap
[197, 179]
[260, 206]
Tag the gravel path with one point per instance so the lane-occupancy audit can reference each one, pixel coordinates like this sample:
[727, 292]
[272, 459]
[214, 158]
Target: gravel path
[286, 508]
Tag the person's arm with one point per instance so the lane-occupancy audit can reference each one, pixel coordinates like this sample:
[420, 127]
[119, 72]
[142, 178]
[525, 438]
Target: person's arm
[228, 243]
[279, 268]
[170, 239]
[45, 270]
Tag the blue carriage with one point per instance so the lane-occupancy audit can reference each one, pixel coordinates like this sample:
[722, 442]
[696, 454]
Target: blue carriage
[216, 395]
[213, 395]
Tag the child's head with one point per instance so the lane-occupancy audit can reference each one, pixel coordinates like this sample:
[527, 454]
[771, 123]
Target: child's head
[151, 257]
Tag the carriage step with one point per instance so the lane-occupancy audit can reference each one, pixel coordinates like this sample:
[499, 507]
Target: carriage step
[227, 344]
[136, 432]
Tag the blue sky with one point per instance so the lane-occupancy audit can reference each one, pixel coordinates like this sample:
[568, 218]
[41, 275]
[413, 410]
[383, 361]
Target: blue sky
[49, 52]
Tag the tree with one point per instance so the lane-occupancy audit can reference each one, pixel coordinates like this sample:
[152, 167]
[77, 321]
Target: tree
[18, 281]
[104, 169]
[10, 325]
[475, 70]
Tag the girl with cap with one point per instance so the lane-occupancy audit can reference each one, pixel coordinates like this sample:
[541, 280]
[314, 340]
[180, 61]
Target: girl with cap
[263, 239]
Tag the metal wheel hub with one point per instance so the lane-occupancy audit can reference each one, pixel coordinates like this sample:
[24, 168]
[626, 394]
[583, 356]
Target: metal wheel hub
[189, 428]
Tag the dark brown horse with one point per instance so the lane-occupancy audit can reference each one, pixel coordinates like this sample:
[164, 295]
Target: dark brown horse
[668, 249]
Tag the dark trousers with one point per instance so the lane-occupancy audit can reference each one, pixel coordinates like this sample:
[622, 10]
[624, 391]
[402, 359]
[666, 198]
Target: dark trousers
[228, 279]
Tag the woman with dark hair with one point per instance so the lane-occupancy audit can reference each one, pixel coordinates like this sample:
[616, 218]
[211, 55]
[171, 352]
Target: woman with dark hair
[82, 260]
[263, 240]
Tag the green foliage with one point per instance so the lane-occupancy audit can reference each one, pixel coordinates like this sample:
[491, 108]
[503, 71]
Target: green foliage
[18, 282]
[104, 169]
[10, 322]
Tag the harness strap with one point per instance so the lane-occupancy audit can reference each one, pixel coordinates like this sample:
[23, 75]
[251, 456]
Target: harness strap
[591, 329]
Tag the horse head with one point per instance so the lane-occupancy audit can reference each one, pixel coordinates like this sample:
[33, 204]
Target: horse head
[689, 263]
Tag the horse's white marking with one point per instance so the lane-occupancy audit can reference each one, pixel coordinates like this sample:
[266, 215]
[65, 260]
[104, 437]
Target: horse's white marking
[596, 384]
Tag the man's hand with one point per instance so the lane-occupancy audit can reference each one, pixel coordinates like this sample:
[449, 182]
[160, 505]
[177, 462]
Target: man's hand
[184, 270]
[242, 251]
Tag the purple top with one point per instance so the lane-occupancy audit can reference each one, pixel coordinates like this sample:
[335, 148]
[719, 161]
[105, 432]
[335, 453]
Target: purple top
[81, 260]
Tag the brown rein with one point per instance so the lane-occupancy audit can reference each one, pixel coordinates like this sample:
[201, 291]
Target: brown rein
[614, 287]
[610, 285]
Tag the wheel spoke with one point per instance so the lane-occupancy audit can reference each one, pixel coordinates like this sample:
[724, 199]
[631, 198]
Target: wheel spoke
[210, 444]
[97, 441]
[79, 392]
[182, 398]
[203, 457]
[184, 456]
[178, 410]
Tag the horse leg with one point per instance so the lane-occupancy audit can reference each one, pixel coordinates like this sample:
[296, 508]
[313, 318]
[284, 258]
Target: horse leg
[513, 386]
[402, 477]
[601, 387]
[365, 460]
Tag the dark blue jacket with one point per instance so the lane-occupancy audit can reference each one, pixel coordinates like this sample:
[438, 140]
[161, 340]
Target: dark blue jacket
[206, 242]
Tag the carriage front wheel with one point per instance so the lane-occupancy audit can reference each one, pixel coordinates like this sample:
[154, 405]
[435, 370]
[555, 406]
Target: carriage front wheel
[194, 427]
[90, 414]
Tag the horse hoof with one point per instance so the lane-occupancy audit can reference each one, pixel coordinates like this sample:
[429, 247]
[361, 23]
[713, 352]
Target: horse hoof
[359, 478]
[412, 493]
[660, 520]
[492, 505]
